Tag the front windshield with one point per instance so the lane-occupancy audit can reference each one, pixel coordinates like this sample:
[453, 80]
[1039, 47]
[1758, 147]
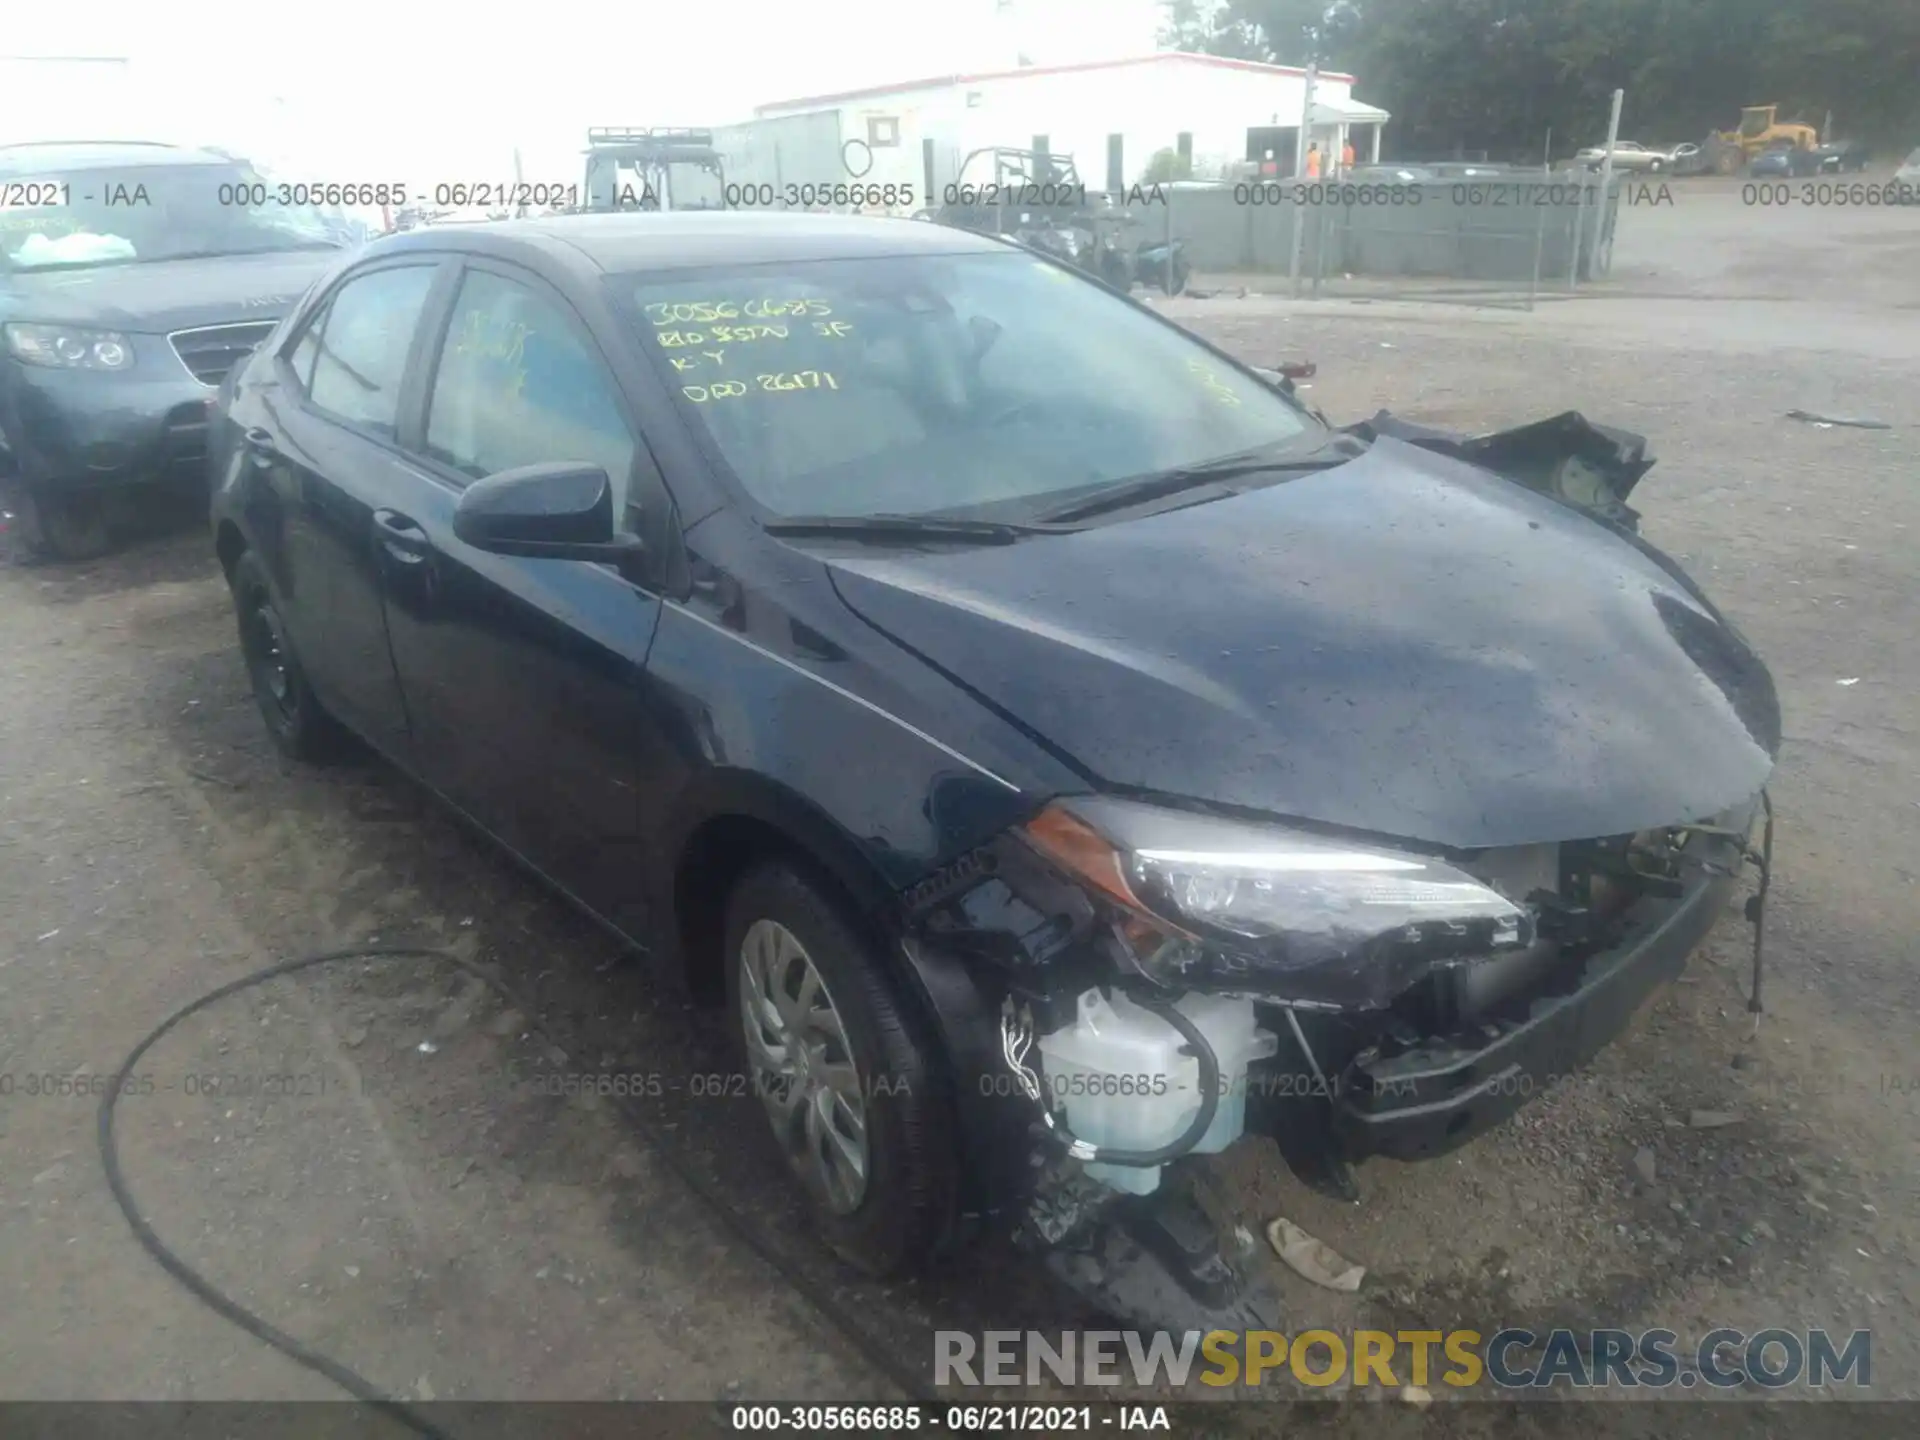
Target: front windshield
[151, 212]
[982, 384]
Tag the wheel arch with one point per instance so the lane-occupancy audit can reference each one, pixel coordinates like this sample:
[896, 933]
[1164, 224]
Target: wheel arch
[740, 820]
[737, 822]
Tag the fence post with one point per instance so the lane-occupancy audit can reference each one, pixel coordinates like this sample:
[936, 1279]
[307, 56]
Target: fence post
[1578, 236]
[1299, 170]
[1539, 245]
[1606, 178]
[1167, 279]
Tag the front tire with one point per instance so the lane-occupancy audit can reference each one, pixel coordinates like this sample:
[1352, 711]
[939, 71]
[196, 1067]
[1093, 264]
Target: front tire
[70, 527]
[299, 726]
[848, 1085]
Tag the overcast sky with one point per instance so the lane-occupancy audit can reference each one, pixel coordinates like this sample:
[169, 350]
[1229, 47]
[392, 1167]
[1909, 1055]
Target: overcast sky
[377, 89]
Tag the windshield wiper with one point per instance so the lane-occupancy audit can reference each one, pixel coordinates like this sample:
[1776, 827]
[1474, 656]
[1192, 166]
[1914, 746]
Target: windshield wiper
[1128, 493]
[902, 527]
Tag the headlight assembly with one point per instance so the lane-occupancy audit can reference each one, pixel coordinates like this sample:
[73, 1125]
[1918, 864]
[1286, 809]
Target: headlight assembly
[1272, 910]
[65, 347]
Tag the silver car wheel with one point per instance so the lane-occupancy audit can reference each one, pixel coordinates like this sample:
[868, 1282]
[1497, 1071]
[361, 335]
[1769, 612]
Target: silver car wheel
[803, 1068]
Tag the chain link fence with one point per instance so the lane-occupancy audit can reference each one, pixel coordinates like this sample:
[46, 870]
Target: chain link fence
[1509, 241]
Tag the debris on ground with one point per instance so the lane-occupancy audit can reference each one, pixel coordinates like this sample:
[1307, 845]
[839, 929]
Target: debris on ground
[1712, 1119]
[1643, 1165]
[1827, 422]
[1417, 1396]
[1313, 1259]
[1855, 680]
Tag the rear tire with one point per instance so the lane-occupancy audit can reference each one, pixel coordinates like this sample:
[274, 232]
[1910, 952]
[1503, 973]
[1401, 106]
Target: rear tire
[814, 1014]
[299, 726]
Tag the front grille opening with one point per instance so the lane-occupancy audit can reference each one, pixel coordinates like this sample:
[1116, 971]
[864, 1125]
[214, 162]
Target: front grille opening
[186, 446]
[210, 352]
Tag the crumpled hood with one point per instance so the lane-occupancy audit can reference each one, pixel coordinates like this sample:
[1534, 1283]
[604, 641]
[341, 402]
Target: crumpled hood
[1406, 645]
[156, 297]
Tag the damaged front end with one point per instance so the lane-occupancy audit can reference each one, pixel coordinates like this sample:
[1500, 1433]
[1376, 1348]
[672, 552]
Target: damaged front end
[1171, 976]
[1170, 980]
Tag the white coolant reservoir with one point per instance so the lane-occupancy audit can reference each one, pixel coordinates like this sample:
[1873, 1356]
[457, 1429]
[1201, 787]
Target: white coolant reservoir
[1118, 1073]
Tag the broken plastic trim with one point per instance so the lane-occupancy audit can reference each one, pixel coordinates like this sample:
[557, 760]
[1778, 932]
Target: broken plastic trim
[1590, 467]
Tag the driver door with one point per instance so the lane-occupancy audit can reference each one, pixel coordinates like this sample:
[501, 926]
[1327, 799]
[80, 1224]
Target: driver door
[525, 678]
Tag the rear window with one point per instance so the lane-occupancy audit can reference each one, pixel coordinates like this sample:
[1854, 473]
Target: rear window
[981, 383]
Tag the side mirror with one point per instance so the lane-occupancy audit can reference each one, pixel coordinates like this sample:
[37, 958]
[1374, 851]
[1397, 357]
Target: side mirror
[561, 510]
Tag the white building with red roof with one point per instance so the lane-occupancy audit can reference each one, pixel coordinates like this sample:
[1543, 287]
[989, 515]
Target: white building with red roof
[1227, 117]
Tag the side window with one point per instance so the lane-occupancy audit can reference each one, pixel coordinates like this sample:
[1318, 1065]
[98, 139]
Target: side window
[361, 354]
[519, 385]
[308, 346]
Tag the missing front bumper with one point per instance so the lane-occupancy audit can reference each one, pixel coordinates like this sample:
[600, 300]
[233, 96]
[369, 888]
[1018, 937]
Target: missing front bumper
[1430, 1099]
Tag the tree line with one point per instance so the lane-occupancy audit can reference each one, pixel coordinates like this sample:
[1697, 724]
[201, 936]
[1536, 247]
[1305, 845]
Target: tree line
[1499, 76]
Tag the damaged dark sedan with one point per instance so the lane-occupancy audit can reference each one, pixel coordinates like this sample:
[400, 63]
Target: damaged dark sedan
[1060, 750]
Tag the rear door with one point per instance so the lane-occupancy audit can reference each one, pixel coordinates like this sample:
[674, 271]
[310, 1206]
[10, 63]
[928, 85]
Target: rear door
[321, 438]
[525, 678]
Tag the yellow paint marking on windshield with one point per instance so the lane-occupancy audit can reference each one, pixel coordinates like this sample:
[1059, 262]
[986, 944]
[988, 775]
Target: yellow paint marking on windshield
[798, 380]
[741, 334]
[708, 312]
[722, 335]
[487, 337]
[774, 383]
[1210, 378]
[724, 389]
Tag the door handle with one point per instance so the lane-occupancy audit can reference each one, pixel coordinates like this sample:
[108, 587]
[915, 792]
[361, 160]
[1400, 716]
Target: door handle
[401, 537]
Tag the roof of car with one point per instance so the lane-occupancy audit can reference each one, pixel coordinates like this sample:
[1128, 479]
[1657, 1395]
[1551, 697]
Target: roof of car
[686, 239]
[53, 156]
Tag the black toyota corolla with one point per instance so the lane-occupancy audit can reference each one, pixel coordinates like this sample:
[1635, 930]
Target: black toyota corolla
[1060, 750]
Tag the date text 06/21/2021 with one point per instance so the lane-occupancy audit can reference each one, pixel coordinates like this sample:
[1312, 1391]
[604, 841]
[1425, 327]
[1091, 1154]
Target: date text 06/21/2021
[952, 1419]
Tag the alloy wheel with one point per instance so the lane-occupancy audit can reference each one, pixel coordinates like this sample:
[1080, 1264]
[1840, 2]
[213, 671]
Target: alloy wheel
[804, 1070]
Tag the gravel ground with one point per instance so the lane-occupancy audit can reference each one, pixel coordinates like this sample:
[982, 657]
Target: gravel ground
[421, 1213]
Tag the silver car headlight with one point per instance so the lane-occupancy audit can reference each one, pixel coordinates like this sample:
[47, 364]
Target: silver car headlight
[1270, 909]
[65, 347]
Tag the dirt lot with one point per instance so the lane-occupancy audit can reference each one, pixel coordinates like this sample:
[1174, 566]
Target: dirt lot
[416, 1210]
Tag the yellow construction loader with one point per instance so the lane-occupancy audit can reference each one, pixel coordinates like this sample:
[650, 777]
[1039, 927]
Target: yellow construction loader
[1728, 152]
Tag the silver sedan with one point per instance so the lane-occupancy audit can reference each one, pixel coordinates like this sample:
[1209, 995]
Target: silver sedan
[1627, 155]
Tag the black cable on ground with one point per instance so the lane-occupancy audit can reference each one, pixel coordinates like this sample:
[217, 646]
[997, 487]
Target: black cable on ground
[349, 1380]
